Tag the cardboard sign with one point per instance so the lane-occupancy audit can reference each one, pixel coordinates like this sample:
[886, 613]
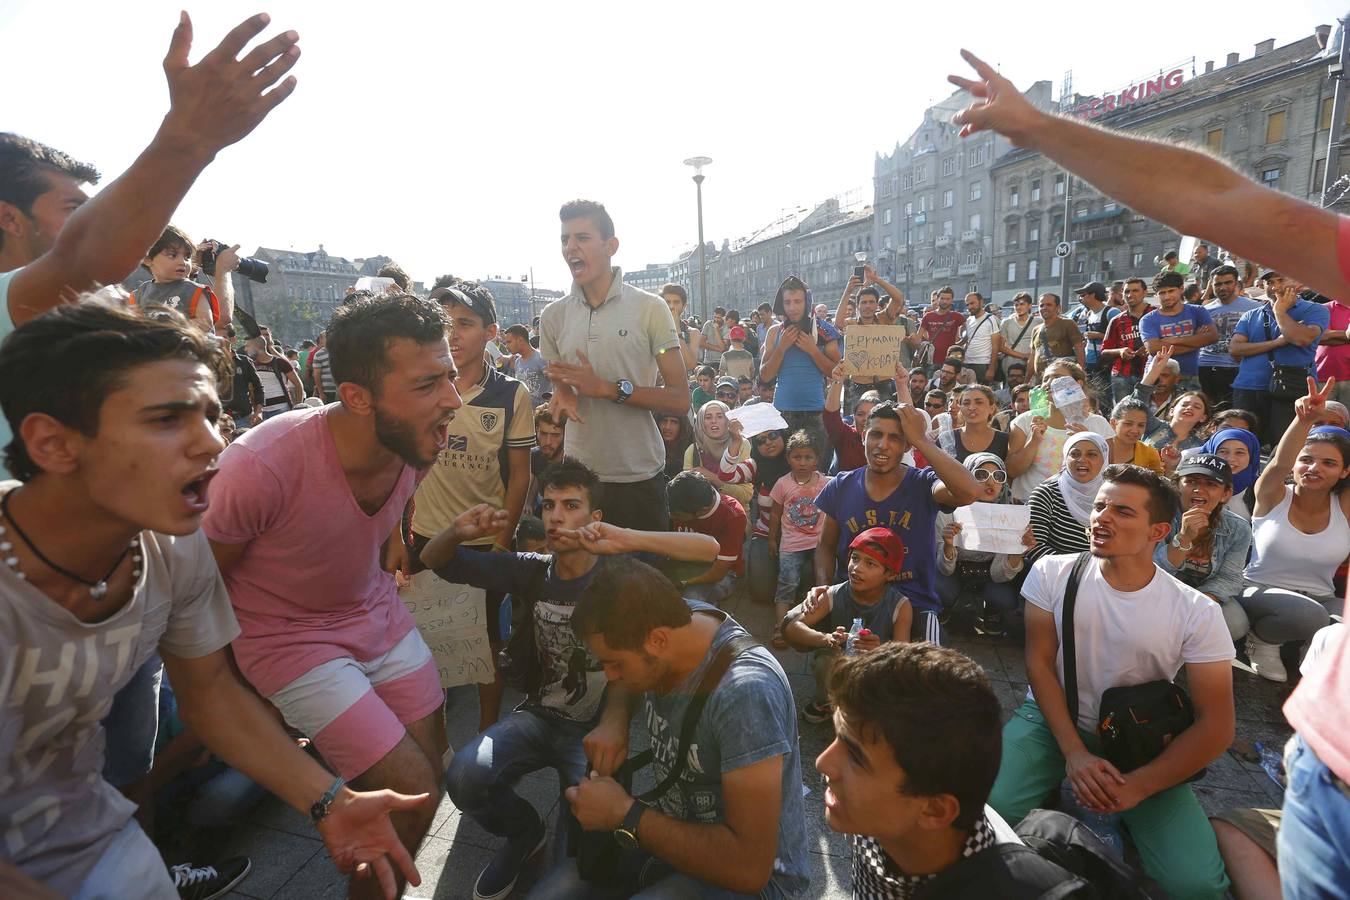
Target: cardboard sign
[872, 349]
[452, 619]
[993, 527]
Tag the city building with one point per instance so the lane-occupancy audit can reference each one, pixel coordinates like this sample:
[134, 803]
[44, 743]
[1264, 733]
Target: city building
[650, 278]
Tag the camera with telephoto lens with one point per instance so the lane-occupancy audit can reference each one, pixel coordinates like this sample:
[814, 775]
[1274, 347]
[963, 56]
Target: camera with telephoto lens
[250, 268]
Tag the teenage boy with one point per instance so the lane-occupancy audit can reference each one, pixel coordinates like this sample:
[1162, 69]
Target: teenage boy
[527, 363]
[888, 493]
[737, 361]
[1123, 347]
[822, 626]
[697, 506]
[549, 435]
[53, 242]
[714, 336]
[846, 436]
[169, 262]
[609, 346]
[942, 326]
[565, 720]
[302, 505]
[114, 418]
[704, 376]
[1013, 341]
[1185, 327]
[1133, 624]
[907, 776]
[733, 823]
[282, 389]
[486, 458]
[1097, 315]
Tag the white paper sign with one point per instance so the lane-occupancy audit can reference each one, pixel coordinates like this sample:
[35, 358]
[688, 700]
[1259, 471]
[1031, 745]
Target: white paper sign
[758, 418]
[452, 619]
[993, 527]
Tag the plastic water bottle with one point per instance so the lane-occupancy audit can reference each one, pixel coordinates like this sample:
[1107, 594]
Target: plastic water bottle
[946, 436]
[1069, 399]
[850, 648]
[1105, 825]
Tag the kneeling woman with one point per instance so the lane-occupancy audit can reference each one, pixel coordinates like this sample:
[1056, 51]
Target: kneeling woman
[989, 575]
[1209, 543]
[1061, 505]
[1300, 536]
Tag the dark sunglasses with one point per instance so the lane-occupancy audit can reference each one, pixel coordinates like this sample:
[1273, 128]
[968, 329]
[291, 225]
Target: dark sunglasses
[934, 404]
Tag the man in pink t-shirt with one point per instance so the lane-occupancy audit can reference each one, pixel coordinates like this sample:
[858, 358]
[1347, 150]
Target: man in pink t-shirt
[1333, 350]
[300, 510]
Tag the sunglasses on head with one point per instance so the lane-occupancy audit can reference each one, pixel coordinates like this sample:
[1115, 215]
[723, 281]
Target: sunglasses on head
[983, 475]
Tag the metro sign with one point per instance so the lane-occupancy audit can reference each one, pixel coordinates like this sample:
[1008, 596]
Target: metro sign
[1144, 90]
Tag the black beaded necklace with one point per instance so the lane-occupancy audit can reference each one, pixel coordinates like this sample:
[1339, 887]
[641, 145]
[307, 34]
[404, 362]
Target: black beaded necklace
[97, 589]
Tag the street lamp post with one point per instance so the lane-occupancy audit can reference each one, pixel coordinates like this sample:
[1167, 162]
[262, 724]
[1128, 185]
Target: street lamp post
[698, 162]
[1331, 171]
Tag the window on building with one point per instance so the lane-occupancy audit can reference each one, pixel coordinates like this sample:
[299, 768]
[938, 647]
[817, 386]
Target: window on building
[947, 227]
[1214, 139]
[920, 174]
[973, 223]
[1079, 265]
[949, 166]
[1033, 232]
[907, 182]
[1012, 273]
[1015, 197]
[1136, 257]
[1011, 235]
[886, 242]
[886, 217]
[1036, 191]
[976, 190]
[1032, 268]
[1059, 185]
[1055, 264]
[1275, 127]
[1271, 177]
[1319, 175]
[948, 198]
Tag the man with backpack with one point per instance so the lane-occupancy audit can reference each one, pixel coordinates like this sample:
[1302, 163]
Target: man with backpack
[1107, 632]
[563, 722]
[282, 389]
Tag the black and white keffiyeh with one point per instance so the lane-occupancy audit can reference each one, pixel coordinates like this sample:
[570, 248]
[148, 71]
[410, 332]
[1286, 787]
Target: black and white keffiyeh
[875, 877]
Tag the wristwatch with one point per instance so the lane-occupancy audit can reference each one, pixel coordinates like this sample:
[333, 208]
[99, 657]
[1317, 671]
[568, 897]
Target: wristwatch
[1176, 542]
[319, 810]
[625, 390]
[626, 834]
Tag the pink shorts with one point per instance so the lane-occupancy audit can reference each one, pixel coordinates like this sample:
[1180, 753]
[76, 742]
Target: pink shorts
[355, 711]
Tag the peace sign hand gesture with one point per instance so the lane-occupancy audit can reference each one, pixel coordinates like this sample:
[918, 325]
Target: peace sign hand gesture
[1310, 408]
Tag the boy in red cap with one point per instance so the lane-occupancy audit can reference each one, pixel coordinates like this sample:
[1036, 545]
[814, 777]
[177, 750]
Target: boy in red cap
[737, 361]
[821, 624]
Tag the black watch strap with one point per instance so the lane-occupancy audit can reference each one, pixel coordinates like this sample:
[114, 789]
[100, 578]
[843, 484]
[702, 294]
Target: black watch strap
[319, 810]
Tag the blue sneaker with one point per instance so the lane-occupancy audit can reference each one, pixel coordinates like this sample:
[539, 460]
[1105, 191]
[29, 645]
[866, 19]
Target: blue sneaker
[499, 877]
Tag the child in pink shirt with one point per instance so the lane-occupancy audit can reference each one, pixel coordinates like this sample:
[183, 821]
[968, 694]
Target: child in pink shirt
[794, 525]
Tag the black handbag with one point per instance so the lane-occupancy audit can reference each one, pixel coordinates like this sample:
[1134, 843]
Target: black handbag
[598, 853]
[1286, 382]
[1136, 722]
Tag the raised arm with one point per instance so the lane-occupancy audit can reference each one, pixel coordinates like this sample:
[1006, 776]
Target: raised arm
[841, 314]
[1307, 409]
[212, 105]
[1201, 195]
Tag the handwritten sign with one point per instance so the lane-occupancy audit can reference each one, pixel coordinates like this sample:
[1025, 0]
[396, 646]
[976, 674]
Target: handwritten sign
[452, 619]
[992, 527]
[873, 349]
[758, 418]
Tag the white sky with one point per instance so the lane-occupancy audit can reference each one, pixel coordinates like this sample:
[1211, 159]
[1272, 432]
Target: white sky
[447, 135]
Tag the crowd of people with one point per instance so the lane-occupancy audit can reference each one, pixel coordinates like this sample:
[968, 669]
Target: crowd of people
[207, 533]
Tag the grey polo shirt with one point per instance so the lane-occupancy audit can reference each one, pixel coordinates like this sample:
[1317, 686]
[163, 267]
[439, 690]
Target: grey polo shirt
[622, 339]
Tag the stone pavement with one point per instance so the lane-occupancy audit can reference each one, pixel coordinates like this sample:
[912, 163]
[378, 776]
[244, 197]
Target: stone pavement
[290, 863]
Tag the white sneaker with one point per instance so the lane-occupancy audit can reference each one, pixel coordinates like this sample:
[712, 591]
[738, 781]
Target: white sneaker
[1266, 659]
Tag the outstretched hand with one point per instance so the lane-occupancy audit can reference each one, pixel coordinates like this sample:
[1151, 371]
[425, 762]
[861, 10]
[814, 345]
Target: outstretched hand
[222, 98]
[360, 837]
[1002, 108]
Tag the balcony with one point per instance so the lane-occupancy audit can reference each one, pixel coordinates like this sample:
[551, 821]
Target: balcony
[968, 268]
[1100, 232]
[940, 273]
[970, 235]
[943, 240]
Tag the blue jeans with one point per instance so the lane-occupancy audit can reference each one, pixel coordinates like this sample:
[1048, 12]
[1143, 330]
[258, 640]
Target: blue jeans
[713, 593]
[641, 877]
[794, 567]
[129, 866]
[131, 726]
[1314, 838]
[482, 776]
[1122, 386]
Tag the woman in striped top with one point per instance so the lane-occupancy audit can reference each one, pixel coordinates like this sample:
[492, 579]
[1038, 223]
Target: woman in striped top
[1061, 505]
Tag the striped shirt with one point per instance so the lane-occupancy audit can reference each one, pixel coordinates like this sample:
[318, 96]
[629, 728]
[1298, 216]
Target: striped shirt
[323, 374]
[1053, 526]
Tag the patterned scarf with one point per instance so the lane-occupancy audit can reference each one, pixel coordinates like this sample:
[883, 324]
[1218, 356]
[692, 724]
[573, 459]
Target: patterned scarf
[876, 877]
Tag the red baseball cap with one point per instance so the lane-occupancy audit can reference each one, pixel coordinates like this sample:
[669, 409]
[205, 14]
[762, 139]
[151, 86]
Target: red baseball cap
[737, 333]
[881, 544]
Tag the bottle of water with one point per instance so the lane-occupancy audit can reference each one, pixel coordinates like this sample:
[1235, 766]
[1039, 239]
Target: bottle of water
[1106, 826]
[850, 648]
[1069, 399]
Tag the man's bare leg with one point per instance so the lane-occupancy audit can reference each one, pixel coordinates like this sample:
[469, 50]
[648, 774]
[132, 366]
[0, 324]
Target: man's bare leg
[412, 767]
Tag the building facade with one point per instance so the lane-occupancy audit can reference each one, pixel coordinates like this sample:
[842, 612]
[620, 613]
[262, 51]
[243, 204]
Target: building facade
[649, 279]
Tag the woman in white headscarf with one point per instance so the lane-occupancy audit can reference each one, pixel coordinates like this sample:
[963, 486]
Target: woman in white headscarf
[1061, 505]
[712, 435]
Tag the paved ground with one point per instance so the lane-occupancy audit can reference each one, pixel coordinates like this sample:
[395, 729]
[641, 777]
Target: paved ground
[289, 861]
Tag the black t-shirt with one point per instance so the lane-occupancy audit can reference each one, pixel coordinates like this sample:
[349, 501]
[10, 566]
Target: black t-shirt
[240, 402]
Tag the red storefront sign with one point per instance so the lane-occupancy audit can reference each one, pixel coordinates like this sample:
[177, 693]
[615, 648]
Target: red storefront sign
[1136, 93]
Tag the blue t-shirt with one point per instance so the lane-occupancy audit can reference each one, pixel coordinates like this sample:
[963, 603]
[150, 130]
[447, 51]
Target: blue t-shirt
[1096, 321]
[1185, 323]
[6, 326]
[749, 717]
[910, 511]
[1225, 318]
[1259, 325]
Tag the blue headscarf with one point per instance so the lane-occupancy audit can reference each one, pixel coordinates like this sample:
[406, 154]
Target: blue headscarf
[1247, 477]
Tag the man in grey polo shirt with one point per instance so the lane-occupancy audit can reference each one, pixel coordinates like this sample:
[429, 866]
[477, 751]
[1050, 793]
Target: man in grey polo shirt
[606, 343]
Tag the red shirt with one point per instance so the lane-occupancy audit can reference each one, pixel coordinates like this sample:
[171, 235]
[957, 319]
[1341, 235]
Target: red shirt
[943, 329]
[1124, 332]
[727, 524]
[847, 442]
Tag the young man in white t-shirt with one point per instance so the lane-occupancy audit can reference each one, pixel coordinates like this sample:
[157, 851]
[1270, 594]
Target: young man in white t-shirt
[124, 442]
[1133, 623]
